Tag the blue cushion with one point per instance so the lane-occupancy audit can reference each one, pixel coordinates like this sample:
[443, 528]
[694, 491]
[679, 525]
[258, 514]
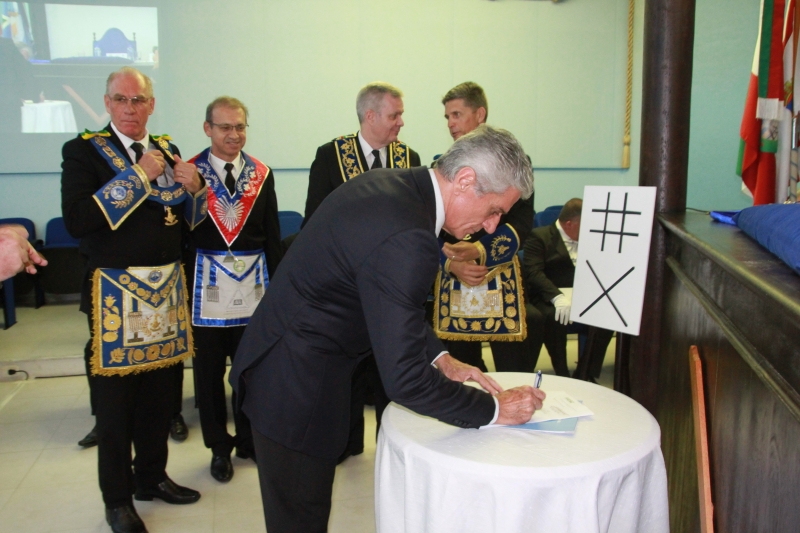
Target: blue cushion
[776, 227]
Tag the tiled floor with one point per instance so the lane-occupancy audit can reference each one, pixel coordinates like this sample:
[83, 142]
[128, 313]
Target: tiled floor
[49, 484]
[51, 331]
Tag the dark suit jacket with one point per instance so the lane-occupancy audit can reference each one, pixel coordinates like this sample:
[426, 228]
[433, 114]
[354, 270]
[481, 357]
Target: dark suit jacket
[141, 240]
[546, 265]
[353, 283]
[325, 174]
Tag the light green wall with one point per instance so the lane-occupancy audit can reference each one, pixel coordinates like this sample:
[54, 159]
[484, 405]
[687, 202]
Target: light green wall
[724, 41]
[554, 73]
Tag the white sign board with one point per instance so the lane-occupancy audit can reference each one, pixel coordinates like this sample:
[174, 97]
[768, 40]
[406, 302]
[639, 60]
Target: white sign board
[613, 252]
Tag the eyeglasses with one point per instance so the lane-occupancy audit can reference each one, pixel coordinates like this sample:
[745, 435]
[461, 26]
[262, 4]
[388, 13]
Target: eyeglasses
[227, 128]
[137, 101]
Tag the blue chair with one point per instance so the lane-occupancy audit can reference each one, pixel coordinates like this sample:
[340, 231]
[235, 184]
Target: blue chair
[547, 217]
[290, 222]
[23, 282]
[66, 266]
[56, 235]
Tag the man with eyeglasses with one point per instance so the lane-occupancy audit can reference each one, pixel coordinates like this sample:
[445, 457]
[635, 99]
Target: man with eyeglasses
[379, 107]
[129, 196]
[232, 258]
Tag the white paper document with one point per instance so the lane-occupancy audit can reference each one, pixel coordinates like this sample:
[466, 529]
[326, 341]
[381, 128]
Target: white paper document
[559, 405]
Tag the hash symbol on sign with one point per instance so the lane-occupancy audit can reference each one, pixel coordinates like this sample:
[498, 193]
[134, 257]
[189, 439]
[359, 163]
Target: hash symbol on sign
[622, 233]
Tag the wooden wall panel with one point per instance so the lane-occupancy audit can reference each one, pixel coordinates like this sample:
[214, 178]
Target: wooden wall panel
[736, 302]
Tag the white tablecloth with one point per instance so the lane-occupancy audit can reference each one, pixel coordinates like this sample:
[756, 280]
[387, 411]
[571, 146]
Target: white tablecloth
[50, 116]
[607, 477]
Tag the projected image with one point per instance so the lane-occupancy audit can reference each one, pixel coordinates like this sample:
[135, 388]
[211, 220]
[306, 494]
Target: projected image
[55, 57]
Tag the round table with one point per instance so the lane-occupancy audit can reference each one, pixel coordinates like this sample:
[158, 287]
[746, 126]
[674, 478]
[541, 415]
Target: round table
[50, 116]
[608, 476]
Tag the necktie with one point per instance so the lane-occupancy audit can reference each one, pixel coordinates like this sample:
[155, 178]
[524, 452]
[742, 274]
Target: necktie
[377, 162]
[230, 183]
[139, 149]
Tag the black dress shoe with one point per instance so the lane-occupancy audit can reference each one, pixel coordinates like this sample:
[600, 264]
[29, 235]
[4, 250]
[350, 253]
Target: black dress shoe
[170, 492]
[125, 520]
[90, 439]
[221, 468]
[177, 428]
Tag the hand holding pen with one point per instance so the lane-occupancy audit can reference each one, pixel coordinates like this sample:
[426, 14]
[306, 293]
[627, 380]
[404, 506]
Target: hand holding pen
[518, 404]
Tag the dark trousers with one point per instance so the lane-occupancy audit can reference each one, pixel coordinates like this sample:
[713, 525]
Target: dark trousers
[366, 382]
[131, 409]
[176, 397]
[213, 346]
[543, 329]
[295, 488]
[509, 356]
[596, 346]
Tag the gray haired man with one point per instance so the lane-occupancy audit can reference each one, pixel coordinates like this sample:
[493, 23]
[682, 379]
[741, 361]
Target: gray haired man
[353, 284]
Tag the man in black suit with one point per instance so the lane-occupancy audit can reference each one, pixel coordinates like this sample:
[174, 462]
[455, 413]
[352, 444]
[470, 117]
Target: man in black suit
[231, 258]
[124, 193]
[466, 108]
[353, 283]
[549, 265]
[379, 107]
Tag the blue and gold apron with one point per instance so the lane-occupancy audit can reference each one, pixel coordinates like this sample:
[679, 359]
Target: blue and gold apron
[491, 311]
[140, 319]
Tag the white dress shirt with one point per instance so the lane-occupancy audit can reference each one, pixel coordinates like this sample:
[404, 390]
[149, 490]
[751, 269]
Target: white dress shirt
[572, 246]
[367, 149]
[219, 166]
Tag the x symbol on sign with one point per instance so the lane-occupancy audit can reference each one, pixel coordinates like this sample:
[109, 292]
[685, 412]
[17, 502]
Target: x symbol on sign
[606, 292]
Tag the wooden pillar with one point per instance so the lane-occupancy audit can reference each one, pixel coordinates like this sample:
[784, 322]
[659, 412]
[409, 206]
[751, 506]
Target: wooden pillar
[664, 160]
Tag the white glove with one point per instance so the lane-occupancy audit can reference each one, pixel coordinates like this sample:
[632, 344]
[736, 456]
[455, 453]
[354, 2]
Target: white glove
[563, 304]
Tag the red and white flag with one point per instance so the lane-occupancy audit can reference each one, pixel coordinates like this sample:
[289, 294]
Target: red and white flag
[764, 106]
[786, 171]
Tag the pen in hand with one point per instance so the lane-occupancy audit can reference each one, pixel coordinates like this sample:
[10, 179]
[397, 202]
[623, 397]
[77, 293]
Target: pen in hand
[537, 380]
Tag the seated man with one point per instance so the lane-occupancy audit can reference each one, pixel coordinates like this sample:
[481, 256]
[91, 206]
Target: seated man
[549, 264]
